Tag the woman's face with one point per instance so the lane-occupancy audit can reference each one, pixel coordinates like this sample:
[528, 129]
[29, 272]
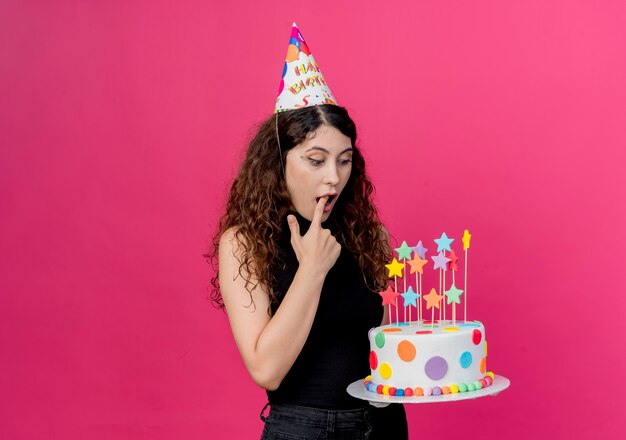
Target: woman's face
[319, 166]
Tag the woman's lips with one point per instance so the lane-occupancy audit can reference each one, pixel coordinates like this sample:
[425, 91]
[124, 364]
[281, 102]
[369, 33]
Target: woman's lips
[329, 203]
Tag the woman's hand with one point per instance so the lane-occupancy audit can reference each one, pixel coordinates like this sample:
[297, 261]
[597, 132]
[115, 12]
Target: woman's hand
[317, 249]
[378, 404]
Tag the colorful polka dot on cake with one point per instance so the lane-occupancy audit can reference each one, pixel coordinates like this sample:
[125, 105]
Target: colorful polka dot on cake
[406, 351]
[477, 336]
[436, 367]
[385, 370]
[373, 361]
[392, 330]
[380, 340]
[466, 359]
[451, 329]
[470, 324]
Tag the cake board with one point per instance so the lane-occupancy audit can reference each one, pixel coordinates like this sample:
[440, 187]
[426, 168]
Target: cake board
[500, 383]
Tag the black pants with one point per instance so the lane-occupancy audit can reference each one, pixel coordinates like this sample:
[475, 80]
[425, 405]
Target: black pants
[304, 423]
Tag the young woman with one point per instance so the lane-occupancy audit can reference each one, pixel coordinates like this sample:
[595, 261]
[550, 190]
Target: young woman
[301, 256]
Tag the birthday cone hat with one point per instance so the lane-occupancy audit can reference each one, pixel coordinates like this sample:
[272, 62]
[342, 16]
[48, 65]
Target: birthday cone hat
[303, 84]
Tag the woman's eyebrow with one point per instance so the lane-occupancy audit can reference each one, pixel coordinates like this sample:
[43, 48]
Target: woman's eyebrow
[325, 150]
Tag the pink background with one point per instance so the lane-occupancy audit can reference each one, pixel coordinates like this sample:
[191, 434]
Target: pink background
[122, 124]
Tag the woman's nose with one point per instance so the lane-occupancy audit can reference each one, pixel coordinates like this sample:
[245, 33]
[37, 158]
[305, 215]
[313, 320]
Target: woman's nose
[332, 176]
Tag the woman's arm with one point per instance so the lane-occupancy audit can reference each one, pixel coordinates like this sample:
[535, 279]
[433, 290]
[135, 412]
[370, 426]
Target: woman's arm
[270, 345]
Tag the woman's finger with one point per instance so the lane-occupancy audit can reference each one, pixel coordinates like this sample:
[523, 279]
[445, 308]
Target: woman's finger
[319, 212]
[294, 227]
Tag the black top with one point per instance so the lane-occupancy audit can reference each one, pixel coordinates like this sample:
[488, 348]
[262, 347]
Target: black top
[336, 351]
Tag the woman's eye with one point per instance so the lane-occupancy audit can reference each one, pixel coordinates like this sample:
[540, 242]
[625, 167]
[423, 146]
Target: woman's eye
[315, 162]
[345, 161]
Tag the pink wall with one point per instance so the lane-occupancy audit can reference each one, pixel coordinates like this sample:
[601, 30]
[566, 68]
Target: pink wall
[121, 125]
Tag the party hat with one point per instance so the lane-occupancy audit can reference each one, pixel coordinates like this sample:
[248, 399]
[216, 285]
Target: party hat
[303, 84]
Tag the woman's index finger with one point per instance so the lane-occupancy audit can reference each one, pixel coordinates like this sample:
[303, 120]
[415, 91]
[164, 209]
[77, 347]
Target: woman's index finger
[319, 212]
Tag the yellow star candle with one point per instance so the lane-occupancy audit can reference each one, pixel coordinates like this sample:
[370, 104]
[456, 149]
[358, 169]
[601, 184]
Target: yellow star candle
[466, 244]
[395, 271]
[466, 240]
[395, 268]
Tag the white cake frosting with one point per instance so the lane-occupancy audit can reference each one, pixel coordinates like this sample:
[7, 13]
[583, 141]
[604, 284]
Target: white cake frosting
[411, 358]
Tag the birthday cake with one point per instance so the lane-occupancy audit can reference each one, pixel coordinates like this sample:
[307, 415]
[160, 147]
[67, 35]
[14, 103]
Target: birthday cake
[427, 357]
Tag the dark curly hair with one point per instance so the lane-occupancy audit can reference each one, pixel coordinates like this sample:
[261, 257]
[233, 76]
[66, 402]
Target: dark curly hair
[258, 201]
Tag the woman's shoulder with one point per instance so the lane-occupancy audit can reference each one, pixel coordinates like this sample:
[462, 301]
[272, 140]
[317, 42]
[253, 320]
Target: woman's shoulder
[232, 241]
[229, 235]
[233, 255]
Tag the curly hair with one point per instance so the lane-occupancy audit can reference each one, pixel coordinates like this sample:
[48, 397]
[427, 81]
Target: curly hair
[259, 200]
